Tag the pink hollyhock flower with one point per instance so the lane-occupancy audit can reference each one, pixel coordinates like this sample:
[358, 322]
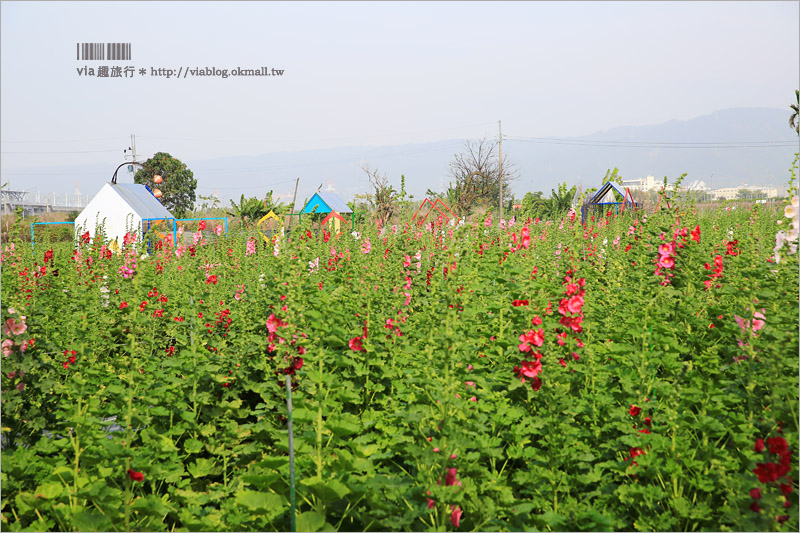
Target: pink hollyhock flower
[743, 324]
[526, 237]
[758, 321]
[666, 261]
[8, 347]
[666, 249]
[251, 247]
[272, 323]
[12, 327]
[455, 516]
[574, 304]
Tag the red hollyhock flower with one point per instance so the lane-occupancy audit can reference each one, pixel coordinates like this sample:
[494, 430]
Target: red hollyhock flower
[782, 518]
[755, 493]
[135, 476]
[647, 421]
[211, 279]
[755, 507]
[355, 344]
[777, 445]
[536, 383]
[123, 305]
[786, 489]
[766, 472]
[696, 234]
[633, 411]
[451, 479]
[202, 225]
[518, 303]
[528, 369]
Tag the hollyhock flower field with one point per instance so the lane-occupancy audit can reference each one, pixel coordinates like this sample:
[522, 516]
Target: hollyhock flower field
[636, 372]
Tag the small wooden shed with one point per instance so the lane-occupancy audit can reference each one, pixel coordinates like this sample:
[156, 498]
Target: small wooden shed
[600, 202]
[325, 202]
[120, 208]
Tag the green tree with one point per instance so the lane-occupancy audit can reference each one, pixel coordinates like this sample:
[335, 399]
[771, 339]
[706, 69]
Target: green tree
[560, 200]
[533, 205]
[177, 187]
[250, 210]
[794, 119]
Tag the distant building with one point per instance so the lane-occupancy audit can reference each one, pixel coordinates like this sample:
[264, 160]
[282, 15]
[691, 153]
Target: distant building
[732, 193]
[696, 186]
[641, 184]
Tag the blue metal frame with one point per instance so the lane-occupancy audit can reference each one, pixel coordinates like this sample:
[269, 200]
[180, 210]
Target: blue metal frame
[604, 190]
[33, 243]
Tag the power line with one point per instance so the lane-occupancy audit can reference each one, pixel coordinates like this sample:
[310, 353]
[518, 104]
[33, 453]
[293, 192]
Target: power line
[256, 139]
[68, 152]
[247, 188]
[323, 163]
[654, 144]
[40, 141]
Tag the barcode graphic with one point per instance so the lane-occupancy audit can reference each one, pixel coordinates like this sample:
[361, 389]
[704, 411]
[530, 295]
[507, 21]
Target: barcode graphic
[103, 51]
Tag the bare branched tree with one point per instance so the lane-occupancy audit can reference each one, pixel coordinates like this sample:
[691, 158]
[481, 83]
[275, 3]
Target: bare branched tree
[383, 197]
[476, 172]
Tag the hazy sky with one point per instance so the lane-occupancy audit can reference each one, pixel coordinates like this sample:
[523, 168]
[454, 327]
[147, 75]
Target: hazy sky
[382, 73]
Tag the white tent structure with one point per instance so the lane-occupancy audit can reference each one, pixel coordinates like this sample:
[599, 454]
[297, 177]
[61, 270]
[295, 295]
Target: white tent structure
[120, 208]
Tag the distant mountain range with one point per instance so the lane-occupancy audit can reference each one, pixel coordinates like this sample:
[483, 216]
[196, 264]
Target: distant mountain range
[763, 155]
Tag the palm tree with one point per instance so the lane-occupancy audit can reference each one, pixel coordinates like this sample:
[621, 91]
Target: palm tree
[794, 120]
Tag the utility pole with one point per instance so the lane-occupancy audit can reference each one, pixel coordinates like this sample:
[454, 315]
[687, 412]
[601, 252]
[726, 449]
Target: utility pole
[294, 199]
[500, 131]
[132, 149]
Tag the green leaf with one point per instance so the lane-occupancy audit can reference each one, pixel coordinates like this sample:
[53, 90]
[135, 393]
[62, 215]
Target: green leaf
[90, 520]
[202, 467]
[262, 481]
[151, 505]
[259, 501]
[49, 491]
[310, 521]
[193, 446]
[328, 491]
[344, 424]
